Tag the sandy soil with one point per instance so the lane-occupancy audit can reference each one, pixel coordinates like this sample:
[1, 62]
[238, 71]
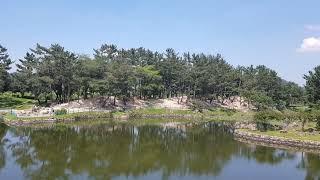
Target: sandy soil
[106, 104]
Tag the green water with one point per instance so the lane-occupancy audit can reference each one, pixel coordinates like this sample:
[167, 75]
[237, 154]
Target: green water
[104, 151]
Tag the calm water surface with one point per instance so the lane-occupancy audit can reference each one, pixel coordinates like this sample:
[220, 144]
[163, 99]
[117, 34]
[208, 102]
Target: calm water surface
[107, 151]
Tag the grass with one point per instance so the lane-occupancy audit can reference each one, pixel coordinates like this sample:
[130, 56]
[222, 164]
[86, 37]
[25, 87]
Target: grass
[221, 115]
[11, 117]
[291, 134]
[7, 101]
[72, 115]
[158, 111]
[217, 115]
[119, 113]
[157, 121]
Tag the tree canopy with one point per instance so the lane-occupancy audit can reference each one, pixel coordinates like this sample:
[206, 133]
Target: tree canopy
[56, 74]
[5, 63]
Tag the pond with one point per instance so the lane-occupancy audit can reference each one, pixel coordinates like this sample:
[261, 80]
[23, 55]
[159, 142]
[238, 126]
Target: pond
[106, 151]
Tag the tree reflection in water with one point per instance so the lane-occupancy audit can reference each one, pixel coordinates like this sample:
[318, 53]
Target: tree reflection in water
[3, 130]
[311, 163]
[106, 151]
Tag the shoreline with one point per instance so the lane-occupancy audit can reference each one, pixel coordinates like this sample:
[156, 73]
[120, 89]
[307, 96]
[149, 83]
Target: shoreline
[278, 146]
[241, 129]
[85, 116]
[275, 141]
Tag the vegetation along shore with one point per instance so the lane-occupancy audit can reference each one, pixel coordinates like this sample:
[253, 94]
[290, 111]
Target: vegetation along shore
[138, 85]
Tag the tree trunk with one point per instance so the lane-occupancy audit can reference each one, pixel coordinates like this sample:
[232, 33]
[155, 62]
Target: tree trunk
[124, 101]
[85, 93]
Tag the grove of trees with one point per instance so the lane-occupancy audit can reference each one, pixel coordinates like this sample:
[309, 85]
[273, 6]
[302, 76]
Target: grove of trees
[56, 74]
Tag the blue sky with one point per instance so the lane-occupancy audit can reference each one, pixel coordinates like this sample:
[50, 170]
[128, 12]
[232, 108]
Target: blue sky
[281, 34]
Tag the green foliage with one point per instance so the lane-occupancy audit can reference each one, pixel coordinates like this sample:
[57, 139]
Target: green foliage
[135, 115]
[163, 111]
[229, 112]
[268, 115]
[89, 74]
[261, 101]
[91, 115]
[292, 94]
[197, 105]
[9, 100]
[263, 88]
[264, 118]
[305, 116]
[313, 115]
[313, 85]
[24, 77]
[121, 79]
[318, 123]
[149, 81]
[56, 74]
[60, 111]
[5, 63]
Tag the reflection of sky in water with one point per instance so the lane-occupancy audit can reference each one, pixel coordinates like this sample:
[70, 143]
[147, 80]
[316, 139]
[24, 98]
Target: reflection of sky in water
[241, 168]
[197, 149]
[11, 169]
[249, 169]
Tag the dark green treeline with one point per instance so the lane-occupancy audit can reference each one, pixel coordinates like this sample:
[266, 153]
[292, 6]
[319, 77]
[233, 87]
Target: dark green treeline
[56, 74]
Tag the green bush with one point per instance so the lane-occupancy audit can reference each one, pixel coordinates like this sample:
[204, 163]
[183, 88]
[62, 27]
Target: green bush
[292, 116]
[281, 105]
[268, 115]
[61, 111]
[135, 115]
[314, 115]
[95, 115]
[229, 112]
[198, 105]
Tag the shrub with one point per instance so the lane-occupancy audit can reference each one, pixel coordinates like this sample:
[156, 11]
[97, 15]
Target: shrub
[135, 115]
[229, 112]
[60, 111]
[97, 115]
[267, 115]
[315, 116]
[260, 100]
[292, 116]
[198, 105]
[262, 119]
[281, 105]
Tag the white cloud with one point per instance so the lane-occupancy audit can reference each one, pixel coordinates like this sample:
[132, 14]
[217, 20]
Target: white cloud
[312, 27]
[311, 44]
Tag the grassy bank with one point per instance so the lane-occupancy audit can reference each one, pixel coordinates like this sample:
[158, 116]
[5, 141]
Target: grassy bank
[209, 115]
[74, 116]
[284, 129]
[145, 116]
[9, 101]
[290, 134]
